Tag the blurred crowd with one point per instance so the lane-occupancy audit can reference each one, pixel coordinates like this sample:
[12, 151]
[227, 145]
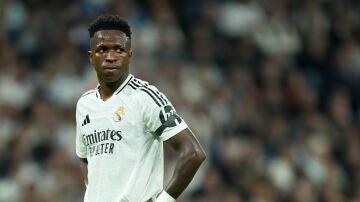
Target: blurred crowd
[271, 88]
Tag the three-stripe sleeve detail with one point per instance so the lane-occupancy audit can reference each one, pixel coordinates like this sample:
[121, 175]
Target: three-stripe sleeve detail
[167, 115]
[154, 94]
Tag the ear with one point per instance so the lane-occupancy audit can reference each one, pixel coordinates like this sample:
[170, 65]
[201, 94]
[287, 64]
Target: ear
[90, 55]
[130, 53]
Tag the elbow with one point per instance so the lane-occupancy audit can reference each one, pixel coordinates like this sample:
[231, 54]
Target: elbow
[197, 156]
[201, 156]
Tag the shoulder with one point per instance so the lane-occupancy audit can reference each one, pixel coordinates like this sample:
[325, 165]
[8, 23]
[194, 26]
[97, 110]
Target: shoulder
[88, 93]
[147, 92]
[86, 97]
[136, 83]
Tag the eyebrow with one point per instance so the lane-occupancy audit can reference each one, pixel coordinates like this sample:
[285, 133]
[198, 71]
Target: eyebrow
[98, 42]
[115, 45]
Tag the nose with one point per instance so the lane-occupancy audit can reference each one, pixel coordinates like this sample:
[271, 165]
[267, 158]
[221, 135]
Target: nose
[111, 56]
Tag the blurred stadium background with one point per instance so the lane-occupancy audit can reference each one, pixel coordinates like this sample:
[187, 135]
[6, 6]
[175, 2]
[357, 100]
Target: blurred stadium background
[270, 87]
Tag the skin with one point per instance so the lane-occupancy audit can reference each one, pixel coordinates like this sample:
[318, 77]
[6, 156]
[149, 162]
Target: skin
[190, 157]
[110, 55]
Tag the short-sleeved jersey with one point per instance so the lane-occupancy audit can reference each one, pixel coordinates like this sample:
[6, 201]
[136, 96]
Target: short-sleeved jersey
[122, 139]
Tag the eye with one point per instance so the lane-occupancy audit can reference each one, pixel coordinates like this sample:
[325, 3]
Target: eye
[101, 49]
[119, 50]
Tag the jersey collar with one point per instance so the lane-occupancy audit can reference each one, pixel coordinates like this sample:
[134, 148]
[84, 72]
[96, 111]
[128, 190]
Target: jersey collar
[121, 87]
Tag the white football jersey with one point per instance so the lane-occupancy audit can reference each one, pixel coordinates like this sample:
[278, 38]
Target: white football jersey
[122, 139]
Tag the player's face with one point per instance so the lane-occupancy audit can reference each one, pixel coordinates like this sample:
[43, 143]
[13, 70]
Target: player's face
[110, 55]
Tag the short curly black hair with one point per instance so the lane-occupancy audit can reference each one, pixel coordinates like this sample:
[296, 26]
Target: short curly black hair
[112, 22]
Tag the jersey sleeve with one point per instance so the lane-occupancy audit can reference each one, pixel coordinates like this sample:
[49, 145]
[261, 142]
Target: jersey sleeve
[80, 144]
[161, 119]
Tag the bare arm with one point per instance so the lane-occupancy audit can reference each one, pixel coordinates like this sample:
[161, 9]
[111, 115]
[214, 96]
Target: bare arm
[84, 170]
[190, 156]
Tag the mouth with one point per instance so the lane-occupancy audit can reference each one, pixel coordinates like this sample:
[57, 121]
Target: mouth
[110, 68]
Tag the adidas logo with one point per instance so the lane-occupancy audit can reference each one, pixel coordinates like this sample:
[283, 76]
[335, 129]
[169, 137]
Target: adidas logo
[86, 120]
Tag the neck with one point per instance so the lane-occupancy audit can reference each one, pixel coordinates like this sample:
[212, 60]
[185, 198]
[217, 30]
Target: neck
[107, 89]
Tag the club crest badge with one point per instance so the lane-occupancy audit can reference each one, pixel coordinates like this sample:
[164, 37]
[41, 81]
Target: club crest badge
[119, 114]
